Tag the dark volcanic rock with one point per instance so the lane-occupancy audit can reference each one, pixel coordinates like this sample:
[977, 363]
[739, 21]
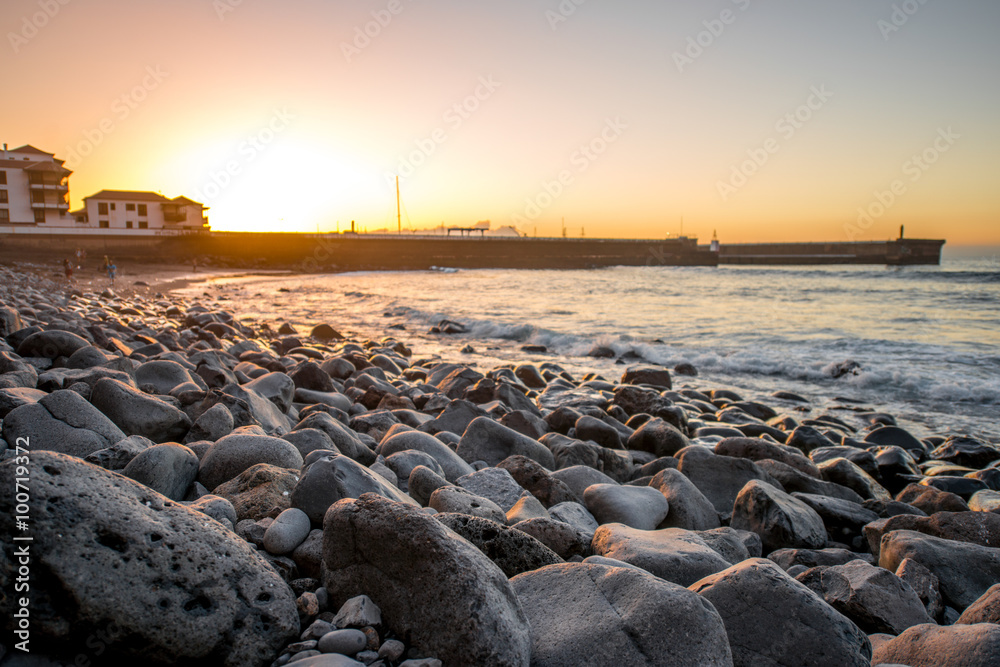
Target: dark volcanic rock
[176, 589]
[618, 616]
[680, 556]
[63, 422]
[781, 520]
[965, 570]
[771, 619]
[933, 646]
[931, 500]
[490, 441]
[435, 590]
[137, 413]
[332, 478]
[514, 552]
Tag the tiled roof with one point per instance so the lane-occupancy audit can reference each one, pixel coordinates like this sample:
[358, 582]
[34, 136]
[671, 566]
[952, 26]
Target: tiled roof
[128, 195]
[28, 148]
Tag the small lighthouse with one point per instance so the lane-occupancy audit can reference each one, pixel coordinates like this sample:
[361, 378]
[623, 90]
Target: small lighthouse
[715, 242]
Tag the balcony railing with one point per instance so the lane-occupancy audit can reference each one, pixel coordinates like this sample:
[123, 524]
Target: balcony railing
[50, 204]
[55, 187]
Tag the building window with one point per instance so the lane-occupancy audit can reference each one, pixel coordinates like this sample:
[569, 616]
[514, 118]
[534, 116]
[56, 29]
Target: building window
[104, 224]
[143, 224]
[142, 210]
[37, 197]
[112, 206]
[129, 207]
[4, 214]
[128, 224]
[3, 196]
[39, 215]
[35, 178]
[3, 177]
[102, 208]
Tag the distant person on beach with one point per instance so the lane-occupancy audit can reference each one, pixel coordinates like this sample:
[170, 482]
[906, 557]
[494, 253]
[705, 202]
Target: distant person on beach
[79, 257]
[68, 269]
[112, 270]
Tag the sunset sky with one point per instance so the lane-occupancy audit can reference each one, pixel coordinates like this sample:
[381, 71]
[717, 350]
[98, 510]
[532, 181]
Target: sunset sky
[776, 120]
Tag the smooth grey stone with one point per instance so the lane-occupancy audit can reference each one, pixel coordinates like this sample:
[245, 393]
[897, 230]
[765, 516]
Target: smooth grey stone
[495, 484]
[772, 619]
[63, 422]
[289, 530]
[436, 589]
[462, 501]
[137, 413]
[677, 555]
[639, 507]
[238, 451]
[168, 469]
[334, 478]
[619, 616]
[689, 508]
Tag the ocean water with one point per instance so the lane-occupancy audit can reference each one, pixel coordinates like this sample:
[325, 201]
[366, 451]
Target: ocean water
[927, 339]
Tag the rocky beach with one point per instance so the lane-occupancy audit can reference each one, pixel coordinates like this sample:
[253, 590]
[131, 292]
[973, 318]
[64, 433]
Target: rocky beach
[186, 484]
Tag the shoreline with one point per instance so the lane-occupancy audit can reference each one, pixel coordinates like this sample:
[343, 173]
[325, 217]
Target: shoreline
[371, 499]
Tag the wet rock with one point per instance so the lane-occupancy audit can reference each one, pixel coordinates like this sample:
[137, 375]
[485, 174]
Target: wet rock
[656, 377]
[657, 437]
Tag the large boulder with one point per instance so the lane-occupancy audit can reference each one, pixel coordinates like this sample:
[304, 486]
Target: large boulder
[720, 478]
[62, 422]
[680, 556]
[168, 469]
[639, 507]
[771, 619]
[982, 528]
[758, 449]
[492, 442]
[874, 598]
[236, 452]
[51, 344]
[332, 478]
[618, 616]
[965, 571]
[176, 587]
[514, 552]
[656, 377]
[935, 646]
[437, 591]
[689, 508]
[162, 375]
[986, 609]
[137, 413]
[657, 437]
[781, 520]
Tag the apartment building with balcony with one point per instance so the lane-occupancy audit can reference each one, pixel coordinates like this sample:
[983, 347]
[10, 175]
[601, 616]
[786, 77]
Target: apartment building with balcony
[122, 210]
[34, 188]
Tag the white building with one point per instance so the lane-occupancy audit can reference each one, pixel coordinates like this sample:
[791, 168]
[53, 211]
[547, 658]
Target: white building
[124, 209]
[34, 198]
[34, 188]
